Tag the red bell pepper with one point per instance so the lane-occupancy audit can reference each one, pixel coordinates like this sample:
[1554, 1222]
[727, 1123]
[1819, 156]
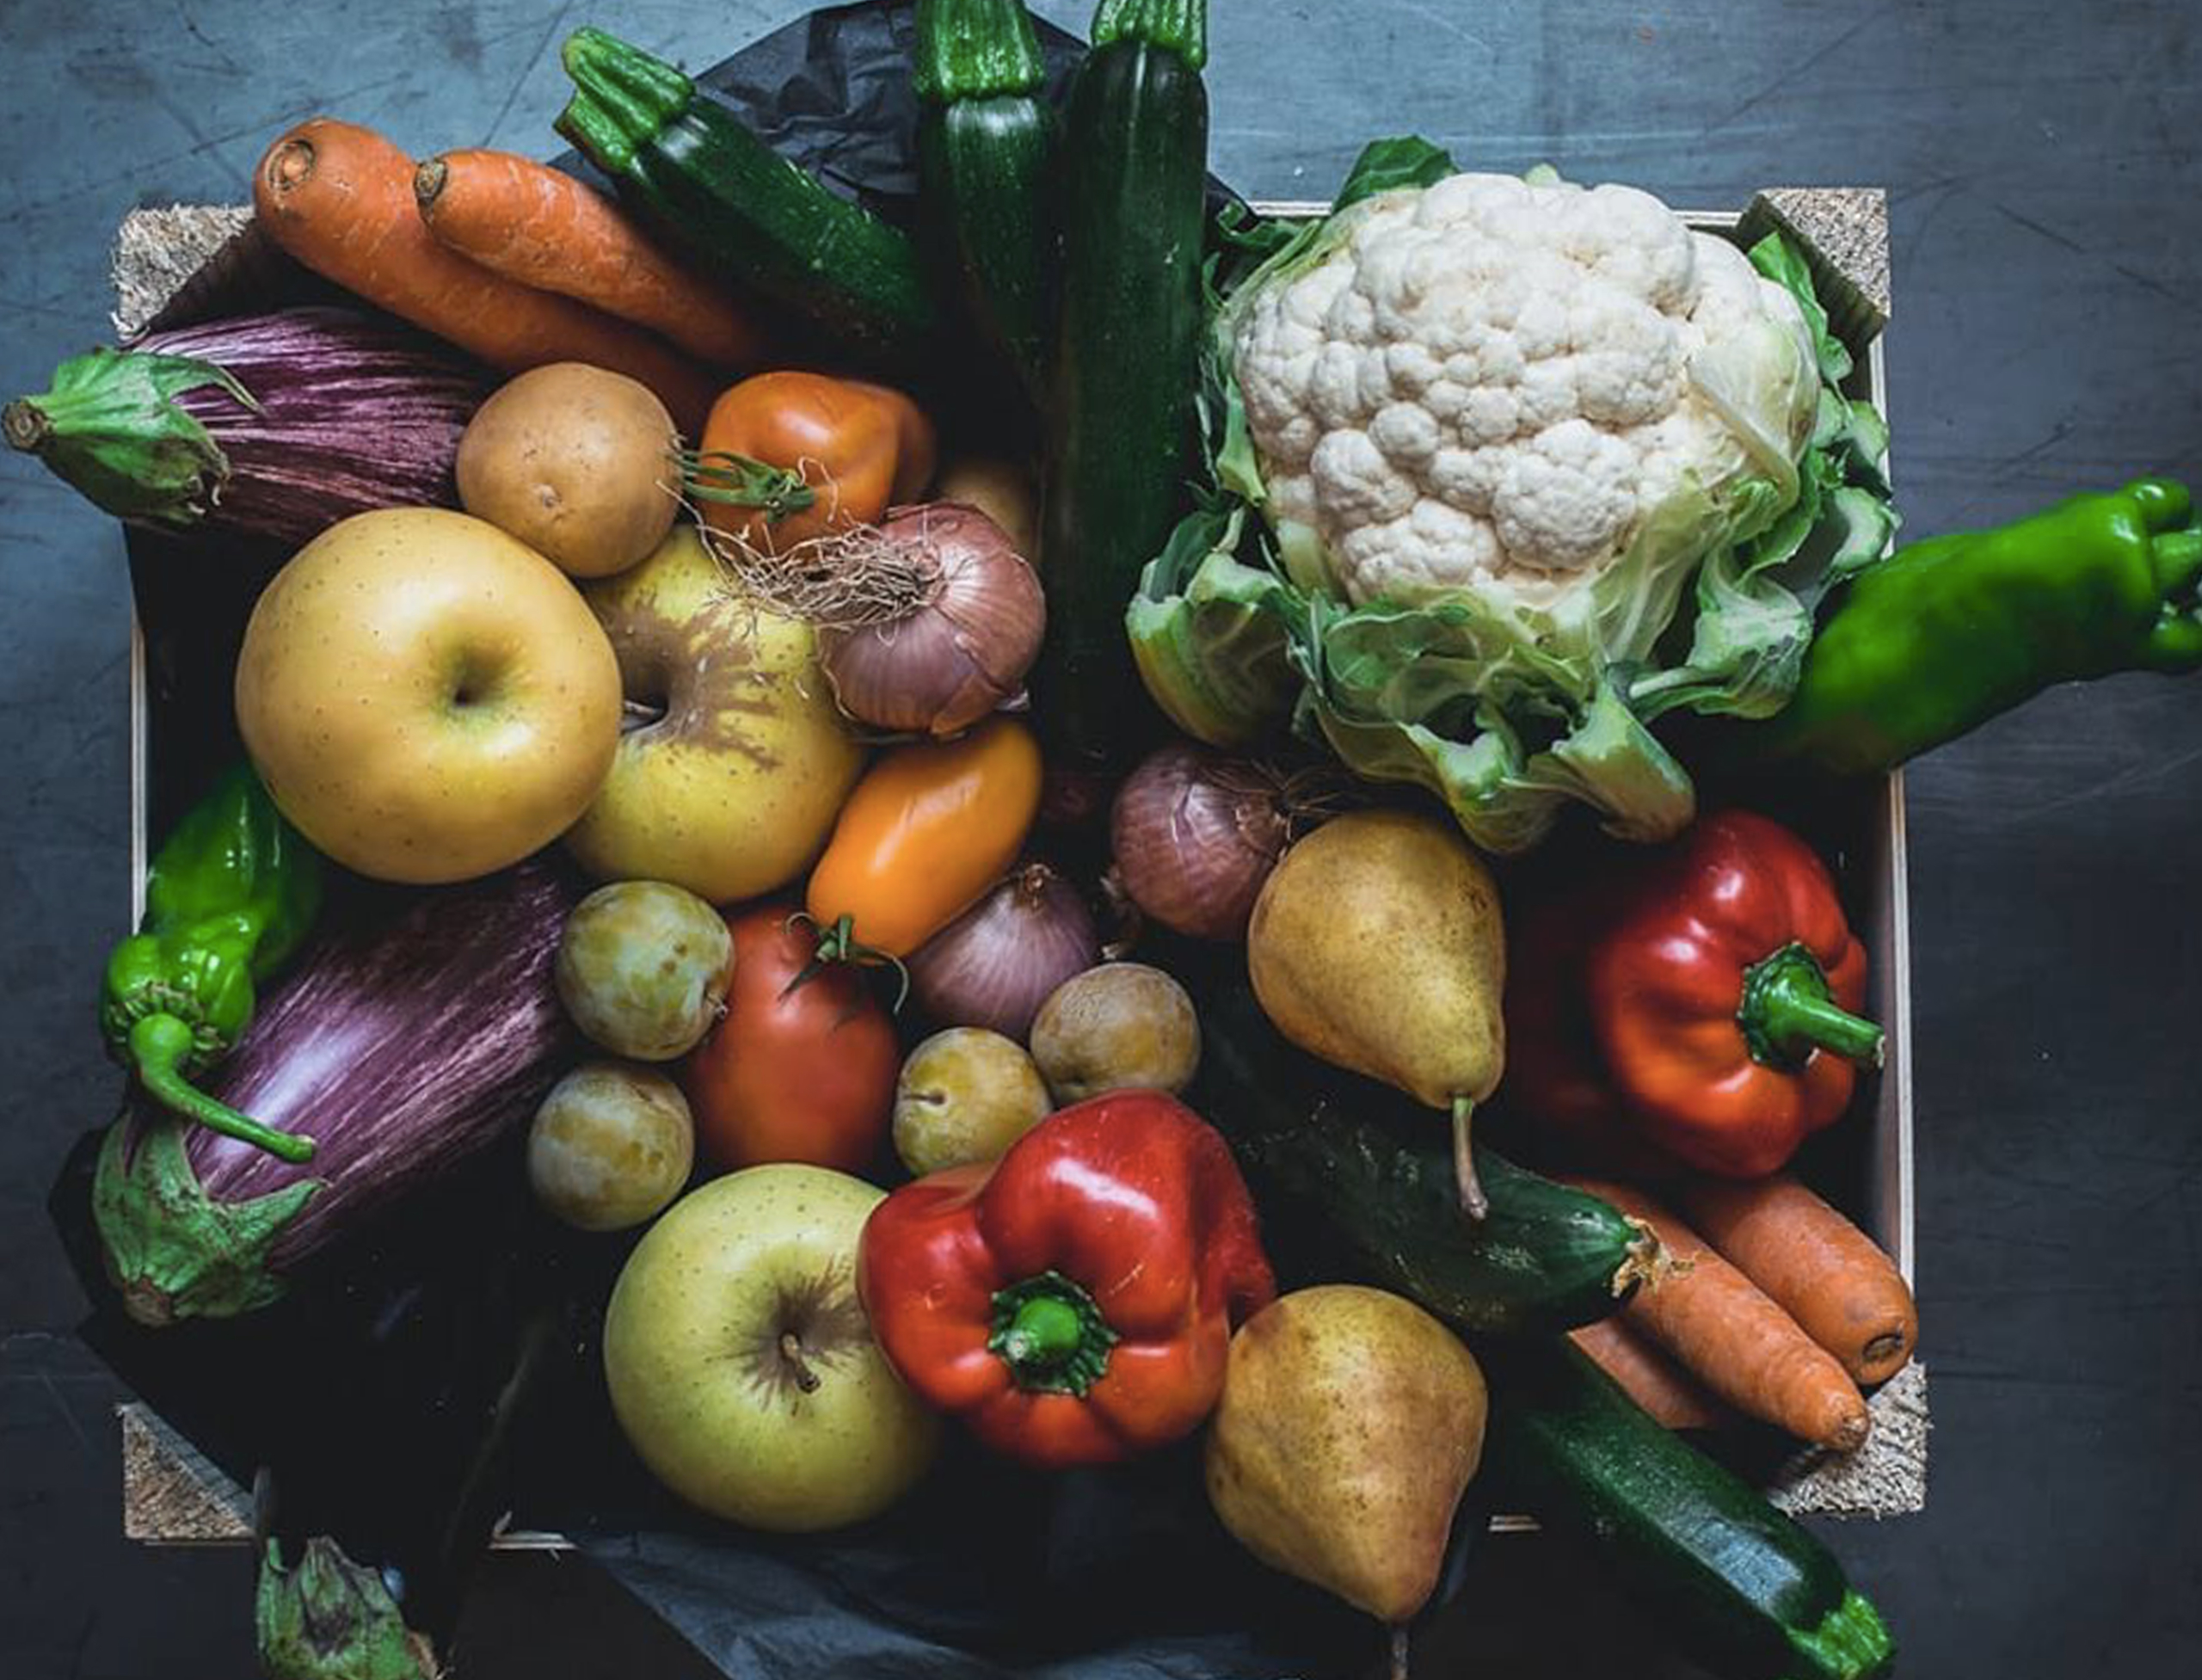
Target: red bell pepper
[1073, 1302]
[1709, 989]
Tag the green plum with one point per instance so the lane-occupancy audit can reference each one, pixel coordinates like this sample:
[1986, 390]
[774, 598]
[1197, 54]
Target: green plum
[610, 1145]
[643, 967]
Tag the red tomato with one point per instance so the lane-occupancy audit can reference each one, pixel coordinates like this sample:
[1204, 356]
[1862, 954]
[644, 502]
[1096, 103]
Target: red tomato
[859, 448]
[802, 1075]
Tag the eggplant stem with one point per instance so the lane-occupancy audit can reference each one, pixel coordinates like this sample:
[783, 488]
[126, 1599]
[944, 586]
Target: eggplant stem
[1473, 1202]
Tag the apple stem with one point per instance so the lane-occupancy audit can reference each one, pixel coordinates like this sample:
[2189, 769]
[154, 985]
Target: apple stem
[791, 1352]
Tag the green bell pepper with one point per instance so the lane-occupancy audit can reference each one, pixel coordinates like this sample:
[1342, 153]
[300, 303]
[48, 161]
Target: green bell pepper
[1947, 633]
[231, 892]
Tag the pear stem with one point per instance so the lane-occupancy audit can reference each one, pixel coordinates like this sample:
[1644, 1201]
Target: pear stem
[1399, 1651]
[1473, 1202]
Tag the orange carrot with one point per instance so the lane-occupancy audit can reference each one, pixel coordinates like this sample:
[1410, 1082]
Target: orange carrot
[1726, 1333]
[339, 199]
[531, 223]
[1653, 1380]
[1841, 1289]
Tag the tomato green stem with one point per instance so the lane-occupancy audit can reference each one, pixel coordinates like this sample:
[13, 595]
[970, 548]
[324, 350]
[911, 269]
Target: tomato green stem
[1786, 1012]
[742, 481]
[159, 1046]
[839, 944]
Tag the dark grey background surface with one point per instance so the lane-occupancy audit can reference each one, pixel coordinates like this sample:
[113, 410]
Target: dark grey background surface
[2045, 167]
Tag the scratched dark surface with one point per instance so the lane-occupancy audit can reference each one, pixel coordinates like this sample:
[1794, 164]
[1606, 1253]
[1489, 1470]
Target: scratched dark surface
[2043, 165]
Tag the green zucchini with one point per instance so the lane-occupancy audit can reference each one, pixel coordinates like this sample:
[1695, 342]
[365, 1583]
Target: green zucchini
[1126, 363]
[985, 135]
[1356, 1173]
[1740, 1587]
[697, 172]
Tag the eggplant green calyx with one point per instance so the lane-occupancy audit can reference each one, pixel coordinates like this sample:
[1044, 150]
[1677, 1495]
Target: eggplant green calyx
[112, 428]
[1787, 1014]
[158, 1047]
[1050, 1333]
[332, 1619]
[172, 1250]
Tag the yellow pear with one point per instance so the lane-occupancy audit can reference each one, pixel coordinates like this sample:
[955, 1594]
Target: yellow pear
[1351, 1423]
[1377, 944]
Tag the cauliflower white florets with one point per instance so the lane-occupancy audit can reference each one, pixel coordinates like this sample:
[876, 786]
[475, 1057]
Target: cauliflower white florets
[1491, 382]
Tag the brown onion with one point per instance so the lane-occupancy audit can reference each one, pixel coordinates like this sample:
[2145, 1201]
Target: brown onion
[961, 649]
[994, 965]
[1195, 835]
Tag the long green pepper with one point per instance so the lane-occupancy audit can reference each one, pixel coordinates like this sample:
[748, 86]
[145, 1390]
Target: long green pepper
[232, 892]
[1947, 633]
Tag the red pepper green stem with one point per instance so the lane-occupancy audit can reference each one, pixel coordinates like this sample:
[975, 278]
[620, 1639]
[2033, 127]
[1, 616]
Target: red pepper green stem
[1050, 1333]
[158, 1046]
[1787, 1014]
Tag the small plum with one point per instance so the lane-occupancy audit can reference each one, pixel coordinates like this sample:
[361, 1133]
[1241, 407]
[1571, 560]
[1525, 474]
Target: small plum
[1122, 1025]
[643, 967]
[965, 1095]
[610, 1145]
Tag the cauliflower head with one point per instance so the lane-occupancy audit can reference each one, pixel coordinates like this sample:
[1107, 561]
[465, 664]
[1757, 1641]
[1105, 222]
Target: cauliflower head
[1506, 388]
[1499, 473]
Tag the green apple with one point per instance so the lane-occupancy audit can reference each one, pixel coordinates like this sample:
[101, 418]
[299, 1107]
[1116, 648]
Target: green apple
[733, 762]
[742, 1365]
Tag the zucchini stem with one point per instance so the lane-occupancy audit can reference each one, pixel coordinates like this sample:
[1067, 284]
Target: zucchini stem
[1177, 26]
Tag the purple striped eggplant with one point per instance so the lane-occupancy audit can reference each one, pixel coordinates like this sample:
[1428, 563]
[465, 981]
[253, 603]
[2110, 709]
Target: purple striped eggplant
[402, 1048]
[274, 426]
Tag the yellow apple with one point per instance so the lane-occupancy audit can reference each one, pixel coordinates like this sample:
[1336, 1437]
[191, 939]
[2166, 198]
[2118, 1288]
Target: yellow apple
[735, 761]
[740, 1363]
[426, 698]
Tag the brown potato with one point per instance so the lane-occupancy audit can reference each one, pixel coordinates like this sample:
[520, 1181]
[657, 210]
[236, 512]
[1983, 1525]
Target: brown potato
[572, 460]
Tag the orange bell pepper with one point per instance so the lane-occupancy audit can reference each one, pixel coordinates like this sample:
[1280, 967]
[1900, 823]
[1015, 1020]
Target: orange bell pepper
[928, 830]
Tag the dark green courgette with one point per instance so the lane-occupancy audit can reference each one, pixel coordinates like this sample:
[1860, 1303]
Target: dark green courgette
[985, 136]
[1355, 1172]
[1740, 1587]
[696, 172]
[1125, 362]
